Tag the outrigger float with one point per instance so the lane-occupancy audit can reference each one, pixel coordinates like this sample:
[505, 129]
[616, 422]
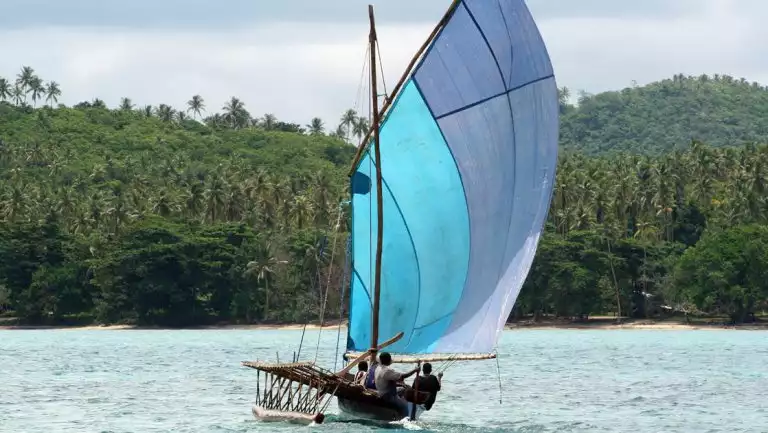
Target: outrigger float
[469, 139]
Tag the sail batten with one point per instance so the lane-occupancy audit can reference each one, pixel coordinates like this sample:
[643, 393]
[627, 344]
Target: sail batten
[469, 147]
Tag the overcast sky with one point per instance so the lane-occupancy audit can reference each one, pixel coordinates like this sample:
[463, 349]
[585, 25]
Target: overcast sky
[303, 58]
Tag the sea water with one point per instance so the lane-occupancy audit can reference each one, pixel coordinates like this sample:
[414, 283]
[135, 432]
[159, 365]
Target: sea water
[552, 381]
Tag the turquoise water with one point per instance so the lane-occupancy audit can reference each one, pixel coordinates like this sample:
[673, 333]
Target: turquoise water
[554, 381]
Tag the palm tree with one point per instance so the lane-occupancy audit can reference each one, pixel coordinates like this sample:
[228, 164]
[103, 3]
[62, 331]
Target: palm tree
[37, 89]
[165, 113]
[360, 128]
[5, 89]
[235, 113]
[18, 95]
[348, 120]
[52, 93]
[24, 79]
[316, 126]
[263, 268]
[126, 104]
[163, 205]
[196, 105]
[214, 199]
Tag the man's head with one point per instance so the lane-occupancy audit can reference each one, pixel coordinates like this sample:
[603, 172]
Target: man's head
[426, 368]
[363, 366]
[385, 358]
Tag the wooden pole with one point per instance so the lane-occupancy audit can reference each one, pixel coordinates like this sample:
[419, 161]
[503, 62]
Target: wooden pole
[403, 78]
[379, 194]
[415, 395]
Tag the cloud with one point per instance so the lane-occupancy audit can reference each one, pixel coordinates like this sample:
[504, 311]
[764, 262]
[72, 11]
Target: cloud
[281, 68]
[207, 14]
[300, 59]
[227, 14]
[604, 53]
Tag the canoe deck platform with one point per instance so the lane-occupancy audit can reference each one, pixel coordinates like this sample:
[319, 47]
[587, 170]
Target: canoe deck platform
[302, 391]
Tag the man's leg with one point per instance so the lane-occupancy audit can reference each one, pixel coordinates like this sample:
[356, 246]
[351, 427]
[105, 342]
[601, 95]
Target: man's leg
[404, 406]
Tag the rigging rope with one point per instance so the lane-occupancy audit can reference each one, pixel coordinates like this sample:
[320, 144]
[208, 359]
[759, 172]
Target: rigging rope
[381, 68]
[328, 283]
[361, 92]
[320, 248]
[361, 84]
[498, 373]
[341, 299]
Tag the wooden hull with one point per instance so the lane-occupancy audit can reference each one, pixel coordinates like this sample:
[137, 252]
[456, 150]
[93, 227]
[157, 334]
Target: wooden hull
[374, 412]
[268, 415]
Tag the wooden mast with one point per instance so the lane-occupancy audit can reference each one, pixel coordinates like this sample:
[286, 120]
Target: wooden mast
[379, 194]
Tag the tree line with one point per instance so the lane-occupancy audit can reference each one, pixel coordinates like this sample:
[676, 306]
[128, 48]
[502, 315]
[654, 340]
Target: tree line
[139, 216]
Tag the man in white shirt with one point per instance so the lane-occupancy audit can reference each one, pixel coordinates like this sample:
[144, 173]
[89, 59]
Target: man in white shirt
[387, 380]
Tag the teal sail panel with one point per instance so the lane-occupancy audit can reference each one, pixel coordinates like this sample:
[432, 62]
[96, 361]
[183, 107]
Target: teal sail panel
[469, 152]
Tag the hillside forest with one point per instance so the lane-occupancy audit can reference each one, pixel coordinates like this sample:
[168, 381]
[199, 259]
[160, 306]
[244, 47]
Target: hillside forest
[200, 215]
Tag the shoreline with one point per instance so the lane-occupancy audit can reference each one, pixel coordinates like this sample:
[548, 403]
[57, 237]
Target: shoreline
[592, 324]
[262, 327]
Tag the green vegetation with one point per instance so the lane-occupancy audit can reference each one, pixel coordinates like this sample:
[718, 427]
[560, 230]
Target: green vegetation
[150, 216]
[718, 110]
[161, 217]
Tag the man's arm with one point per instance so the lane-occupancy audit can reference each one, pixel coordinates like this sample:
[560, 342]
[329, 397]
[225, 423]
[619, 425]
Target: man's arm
[410, 373]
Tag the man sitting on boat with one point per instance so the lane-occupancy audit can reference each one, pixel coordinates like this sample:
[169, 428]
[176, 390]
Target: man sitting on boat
[427, 382]
[362, 371]
[387, 381]
[370, 378]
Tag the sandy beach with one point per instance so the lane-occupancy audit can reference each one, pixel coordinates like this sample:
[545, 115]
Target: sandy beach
[602, 323]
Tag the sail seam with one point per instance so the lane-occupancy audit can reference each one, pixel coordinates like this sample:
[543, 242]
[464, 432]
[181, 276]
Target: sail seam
[415, 254]
[365, 288]
[511, 45]
[506, 92]
[434, 321]
[487, 44]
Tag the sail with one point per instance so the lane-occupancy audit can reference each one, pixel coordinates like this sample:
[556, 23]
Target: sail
[469, 150]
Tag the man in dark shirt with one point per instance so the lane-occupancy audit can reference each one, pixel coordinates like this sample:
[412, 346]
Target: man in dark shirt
[427, 382]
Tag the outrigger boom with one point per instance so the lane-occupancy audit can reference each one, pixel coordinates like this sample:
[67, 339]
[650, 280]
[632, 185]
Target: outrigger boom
[438, 357]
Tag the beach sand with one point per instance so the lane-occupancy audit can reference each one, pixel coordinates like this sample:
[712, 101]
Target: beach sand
[597, 323]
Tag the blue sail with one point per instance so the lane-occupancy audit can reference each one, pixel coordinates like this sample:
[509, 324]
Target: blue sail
[469, 152]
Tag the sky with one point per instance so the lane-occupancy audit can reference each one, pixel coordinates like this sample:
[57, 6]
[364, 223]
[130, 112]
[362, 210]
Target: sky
[300, 59]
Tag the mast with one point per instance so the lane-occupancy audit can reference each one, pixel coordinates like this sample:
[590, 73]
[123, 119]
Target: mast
[379, 194]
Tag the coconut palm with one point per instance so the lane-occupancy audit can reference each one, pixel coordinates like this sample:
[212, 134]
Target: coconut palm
[5, 89]
[316, 126]
[126, 104]
[52, 93]
[196, 105]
